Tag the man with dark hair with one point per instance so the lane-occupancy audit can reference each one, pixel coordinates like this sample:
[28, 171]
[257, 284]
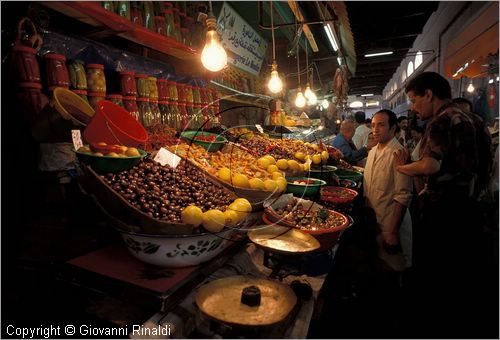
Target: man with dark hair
[403, 125]
[360, 137]
[464, 104]
[446, 260]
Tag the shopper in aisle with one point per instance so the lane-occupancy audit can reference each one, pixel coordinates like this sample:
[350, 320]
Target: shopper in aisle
[404, 134]
[344, 143]
[360, 137]
[447, 261]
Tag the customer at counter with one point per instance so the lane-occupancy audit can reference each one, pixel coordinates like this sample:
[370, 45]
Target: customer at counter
[448, 263]
[344, 143]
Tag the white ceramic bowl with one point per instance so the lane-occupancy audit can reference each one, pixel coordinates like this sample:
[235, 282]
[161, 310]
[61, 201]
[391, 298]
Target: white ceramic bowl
[177, 251]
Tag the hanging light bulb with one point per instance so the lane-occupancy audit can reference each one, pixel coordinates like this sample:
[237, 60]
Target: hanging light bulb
[275, 84]
[300, 100]
[313, 100]
[325, 103]
[470, 88]
[213, 56]
[308, 93]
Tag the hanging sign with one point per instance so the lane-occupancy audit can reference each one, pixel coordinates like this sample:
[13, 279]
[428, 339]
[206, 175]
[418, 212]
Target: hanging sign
[247, 46]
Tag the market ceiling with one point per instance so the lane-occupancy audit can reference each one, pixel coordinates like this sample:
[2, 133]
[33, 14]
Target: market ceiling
[364, 26]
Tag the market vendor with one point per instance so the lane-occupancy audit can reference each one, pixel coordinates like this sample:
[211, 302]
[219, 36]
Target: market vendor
[344, 143]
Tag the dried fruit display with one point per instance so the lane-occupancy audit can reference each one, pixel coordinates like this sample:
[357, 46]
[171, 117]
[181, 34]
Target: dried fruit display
[160, 136]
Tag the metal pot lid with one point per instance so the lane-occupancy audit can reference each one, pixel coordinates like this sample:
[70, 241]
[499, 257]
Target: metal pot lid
[221, 300]
[283, 239]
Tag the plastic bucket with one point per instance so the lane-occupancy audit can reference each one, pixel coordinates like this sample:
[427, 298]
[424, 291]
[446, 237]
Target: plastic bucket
[66, 111]
[113, 124]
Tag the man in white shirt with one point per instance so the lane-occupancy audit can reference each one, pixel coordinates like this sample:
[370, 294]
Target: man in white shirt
[360, 137]
[389, 192]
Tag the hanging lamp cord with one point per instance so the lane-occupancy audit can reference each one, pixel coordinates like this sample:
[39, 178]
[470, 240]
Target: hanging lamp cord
[298, 54]
[272, 33]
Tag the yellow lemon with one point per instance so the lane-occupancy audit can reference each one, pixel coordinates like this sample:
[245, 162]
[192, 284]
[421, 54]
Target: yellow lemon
[272, 168]
[307, 144]
[132, 152]
[306, 166]
[244, 203]
[239, 209]
[213, 220]
[192, 215]
[282, 164]
[224, 174]
[271, 159]
[315, 146]
[256, 183]
[240, 180]
[270, 185]
[307, 158]
[276, 175]
[231, 218]
[263, 162]
[294, 165]
[324, 155]
[281, 183]
[85, 149]
[316, 159]
[300, 155]
[112, 154]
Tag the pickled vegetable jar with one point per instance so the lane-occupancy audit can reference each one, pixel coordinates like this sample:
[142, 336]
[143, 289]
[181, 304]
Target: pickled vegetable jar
[169, 23]
[165, 118]
[155, 110]
[115, 98]
[122, 8]
[160, 25]
[162, 85]
[96, 97]
[184, 117]
[96, 81]
[82, 93]
[172, 90]
[130, 104]
[56, 71]
[148, 12]
[127, 83]
[25, 64]
[136, 14]
[142, 85]
[153, 88]
[145, 114]
[196, 95]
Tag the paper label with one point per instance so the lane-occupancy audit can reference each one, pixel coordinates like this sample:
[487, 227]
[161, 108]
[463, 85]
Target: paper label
[76, 135]
[166, 157]
[259, 128]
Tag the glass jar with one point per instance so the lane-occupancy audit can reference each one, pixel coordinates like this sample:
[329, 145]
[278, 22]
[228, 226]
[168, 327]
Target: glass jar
[77, 75]
[56, 71]
[115, 98]
[148, 12]
[198, 117]
[96, 97]
[178, 33]
[189, 93]
[130, 104]
[145, 114]
[175, 116]
[190, 27]
[142, 85]
[181, 92]
[205, 111]
[82, 93]
[169, 23]
[165, 118]
[185, 36]
[184, 117]
[32, 100]
[196, 95]
[122, 8]
[127, 83]
[96, 81]
[172, 91]
[191, 122]
[153, 88]
[108, 5]
[160, 25]
[136, 15]
[162, 85]
[155, 110]
[25, 64]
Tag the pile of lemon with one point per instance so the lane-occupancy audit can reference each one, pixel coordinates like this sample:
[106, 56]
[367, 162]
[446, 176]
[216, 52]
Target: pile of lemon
[268, 163]
[315, 159]
[215, 220]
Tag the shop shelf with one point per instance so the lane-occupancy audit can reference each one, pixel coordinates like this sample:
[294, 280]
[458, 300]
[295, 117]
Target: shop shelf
[232, 95]
[91, 12]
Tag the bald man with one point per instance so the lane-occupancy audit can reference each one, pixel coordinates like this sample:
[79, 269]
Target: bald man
[344, 143]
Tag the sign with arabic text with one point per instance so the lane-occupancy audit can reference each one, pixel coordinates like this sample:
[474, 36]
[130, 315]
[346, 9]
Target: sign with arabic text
[247, 46]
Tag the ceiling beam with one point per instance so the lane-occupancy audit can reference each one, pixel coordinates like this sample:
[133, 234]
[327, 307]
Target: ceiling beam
[307, 32]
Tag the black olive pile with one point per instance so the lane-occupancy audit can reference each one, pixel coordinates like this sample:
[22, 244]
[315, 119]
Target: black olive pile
[162, 192]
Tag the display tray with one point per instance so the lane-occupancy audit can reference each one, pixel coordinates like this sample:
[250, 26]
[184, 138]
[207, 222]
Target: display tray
[114, 271]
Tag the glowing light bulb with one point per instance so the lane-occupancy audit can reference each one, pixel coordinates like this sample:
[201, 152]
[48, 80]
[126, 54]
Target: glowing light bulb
[308, 93]
[470, 88]
[325, 103]
[275, 84]
[213, 56]
[312, 99]
[337, 121]
[300, 101]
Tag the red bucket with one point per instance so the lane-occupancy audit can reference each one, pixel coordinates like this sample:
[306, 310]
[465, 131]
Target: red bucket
[113, 124]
